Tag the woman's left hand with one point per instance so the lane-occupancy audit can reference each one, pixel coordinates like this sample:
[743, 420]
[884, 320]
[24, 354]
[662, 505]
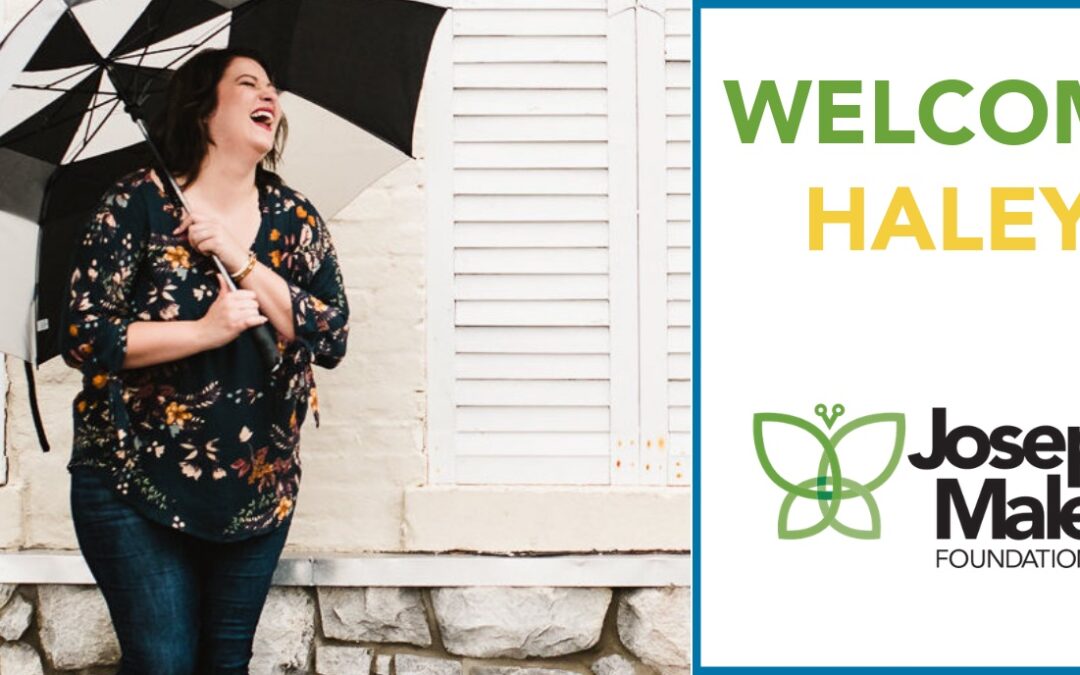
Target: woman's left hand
[210, 236]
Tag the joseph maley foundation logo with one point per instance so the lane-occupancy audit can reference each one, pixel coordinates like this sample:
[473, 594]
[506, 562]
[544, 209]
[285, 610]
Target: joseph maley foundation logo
[822, 488]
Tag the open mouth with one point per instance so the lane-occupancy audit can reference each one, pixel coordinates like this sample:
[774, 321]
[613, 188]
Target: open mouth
[264, 119]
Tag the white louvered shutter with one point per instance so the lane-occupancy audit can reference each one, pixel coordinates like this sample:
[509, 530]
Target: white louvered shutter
[533, 336]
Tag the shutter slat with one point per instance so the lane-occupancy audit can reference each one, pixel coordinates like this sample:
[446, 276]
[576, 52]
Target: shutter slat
[530, 75]
[564, 48]
[486, 208]
[679, 101]
[679, 419]
[678, 152]
[530, 261]
[678, 21]
[679, 48]
[678, 128]
[532, 418]
[678, 181]
[679, 260]
[679, 287]
[529, 22]
[533, 340]
[532, 366]
[546, 444]
[679, 74]
[531, 287]
[532, 392]
[678, 313]
[679, 207]
[565, 155]
[680, 340]
[531, 235]
[531, 313]
[534, 128]
[680, 234]
[530, 182]
[529, 4]
[529, 102]
[680, 393]
[679, 366]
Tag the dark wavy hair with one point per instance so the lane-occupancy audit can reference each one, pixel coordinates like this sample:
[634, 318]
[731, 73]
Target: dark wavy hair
[181, 130]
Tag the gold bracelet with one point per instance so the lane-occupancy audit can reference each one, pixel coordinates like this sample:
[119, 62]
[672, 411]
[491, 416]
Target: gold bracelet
[239, 276]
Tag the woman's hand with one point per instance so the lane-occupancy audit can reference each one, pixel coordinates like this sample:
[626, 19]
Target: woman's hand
[210, 236]
[231, 314]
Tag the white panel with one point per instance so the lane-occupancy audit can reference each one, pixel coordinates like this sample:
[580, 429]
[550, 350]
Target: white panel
[437, 95]
[528, 4]
[652, 237]
[107, 22]
[532, 470]
[623, 202]
[42, 88]
[678, 313]
[530, 207]
[18, 259]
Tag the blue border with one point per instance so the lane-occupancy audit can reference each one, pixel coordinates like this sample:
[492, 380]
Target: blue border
[697, 668]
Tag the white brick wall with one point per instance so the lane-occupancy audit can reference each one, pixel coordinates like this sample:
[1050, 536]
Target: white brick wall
[364, 469]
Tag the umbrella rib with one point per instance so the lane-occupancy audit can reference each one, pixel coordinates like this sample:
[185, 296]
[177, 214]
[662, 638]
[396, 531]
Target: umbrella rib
[46, 87]
[56, 122]
[86, 143]
[75, 74]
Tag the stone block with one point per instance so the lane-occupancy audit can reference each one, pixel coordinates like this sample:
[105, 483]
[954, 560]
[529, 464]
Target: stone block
[75, 627]
[285, 632]
[519, 622]
[412, 664]
[15, 618]
[17, 658]
[374, 615]
[342, 660]
[654, 624]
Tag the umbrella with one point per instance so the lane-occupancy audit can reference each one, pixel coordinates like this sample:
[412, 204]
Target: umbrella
[77, 77]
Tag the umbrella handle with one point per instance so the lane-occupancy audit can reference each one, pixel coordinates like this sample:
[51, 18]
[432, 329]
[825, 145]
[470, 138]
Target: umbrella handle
[264, 339]
[267, 345]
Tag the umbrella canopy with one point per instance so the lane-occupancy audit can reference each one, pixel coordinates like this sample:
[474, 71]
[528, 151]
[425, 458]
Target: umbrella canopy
[71, 71]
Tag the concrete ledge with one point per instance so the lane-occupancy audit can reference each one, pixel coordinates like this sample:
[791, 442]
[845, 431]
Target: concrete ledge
[419, 570]
[556, 519]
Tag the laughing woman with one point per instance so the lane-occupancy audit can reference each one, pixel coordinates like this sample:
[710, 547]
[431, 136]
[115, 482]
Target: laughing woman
[185, 467]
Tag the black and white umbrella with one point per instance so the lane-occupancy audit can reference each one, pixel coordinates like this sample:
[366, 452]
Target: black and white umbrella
[76, 74]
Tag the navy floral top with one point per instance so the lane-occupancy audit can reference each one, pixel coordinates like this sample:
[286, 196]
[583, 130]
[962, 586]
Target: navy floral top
[208, 444]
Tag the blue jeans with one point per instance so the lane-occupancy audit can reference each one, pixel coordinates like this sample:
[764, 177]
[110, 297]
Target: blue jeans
[180, 605]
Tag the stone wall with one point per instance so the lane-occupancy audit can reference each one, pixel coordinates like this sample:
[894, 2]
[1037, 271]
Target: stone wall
[51, 629]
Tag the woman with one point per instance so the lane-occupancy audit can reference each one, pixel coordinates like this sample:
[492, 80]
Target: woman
[185, 467]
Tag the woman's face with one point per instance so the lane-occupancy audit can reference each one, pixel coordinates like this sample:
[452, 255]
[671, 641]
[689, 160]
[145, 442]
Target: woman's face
[247, 114]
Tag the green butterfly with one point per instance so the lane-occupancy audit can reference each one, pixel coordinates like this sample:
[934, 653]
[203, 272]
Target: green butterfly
[822, 488]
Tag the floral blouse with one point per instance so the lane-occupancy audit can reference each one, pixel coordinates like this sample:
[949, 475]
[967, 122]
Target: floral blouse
[207, 444]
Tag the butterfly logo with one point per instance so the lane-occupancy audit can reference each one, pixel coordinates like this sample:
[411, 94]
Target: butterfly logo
[829, 488]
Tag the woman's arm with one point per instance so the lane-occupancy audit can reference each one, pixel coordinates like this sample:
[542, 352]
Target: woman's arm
[153, 342]
[272, 292]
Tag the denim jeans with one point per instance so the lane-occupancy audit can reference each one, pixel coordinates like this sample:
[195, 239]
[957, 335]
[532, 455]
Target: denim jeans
[180, 605]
